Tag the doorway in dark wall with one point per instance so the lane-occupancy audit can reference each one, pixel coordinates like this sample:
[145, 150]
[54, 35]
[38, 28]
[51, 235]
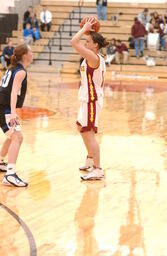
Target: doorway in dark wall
[8, 23]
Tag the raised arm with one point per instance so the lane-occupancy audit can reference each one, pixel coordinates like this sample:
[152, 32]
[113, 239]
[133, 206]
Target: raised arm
[86, 53]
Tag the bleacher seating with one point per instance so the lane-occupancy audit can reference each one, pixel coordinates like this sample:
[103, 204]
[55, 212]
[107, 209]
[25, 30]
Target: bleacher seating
[122, 30]
[38, 47]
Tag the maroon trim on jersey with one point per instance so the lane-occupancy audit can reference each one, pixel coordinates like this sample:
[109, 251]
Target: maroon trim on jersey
[92, 95]
[91, 119]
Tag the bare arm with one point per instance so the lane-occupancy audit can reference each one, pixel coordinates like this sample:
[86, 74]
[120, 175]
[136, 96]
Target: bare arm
[89, 55]
[17, 83]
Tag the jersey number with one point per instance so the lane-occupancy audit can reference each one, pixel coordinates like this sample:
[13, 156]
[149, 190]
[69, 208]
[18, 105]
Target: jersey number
[6, 78]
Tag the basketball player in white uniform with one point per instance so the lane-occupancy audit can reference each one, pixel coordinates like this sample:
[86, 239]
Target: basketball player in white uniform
[90, 95]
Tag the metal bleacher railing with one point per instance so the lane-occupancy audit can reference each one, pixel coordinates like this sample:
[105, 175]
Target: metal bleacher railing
[61, 30]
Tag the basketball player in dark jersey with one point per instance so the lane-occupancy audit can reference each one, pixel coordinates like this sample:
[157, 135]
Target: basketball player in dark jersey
[12, 94]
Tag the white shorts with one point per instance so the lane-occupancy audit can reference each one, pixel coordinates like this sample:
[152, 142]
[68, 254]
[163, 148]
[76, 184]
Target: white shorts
[88, 116]
[16, 128]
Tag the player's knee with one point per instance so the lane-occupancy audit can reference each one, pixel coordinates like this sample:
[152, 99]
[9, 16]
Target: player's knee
[8, 140]
[17, 137]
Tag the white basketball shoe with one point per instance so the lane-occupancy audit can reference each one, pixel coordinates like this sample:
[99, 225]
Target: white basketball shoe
[94, 174]
[88, 164]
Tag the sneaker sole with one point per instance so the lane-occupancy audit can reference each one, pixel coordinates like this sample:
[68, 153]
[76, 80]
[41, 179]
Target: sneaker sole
[93, 178]
[6, 183]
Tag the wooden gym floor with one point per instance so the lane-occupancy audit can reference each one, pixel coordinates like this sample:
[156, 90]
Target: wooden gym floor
[58, 215]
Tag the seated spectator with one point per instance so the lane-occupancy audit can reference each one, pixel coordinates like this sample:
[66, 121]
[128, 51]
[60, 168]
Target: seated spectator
[46, 19]
[144, 17]
[101, 9]
[7, 54]
[161, 33]
[110, 52]
[32, 20]
[138, 32]
[156, 17]
[26, 16]
[28, 34]
[121, 50]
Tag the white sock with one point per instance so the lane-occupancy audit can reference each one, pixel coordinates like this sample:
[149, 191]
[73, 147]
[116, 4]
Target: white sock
[11, 169]
[1, 159]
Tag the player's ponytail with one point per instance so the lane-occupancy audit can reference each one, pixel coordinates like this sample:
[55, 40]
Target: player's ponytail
[19, 51]
[13, 61]
[99, 39]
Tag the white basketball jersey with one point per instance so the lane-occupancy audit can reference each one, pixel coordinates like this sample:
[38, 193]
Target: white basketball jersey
[92, 81]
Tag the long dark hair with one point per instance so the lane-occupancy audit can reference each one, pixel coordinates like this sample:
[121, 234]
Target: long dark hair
[99, 39]
[19, 51]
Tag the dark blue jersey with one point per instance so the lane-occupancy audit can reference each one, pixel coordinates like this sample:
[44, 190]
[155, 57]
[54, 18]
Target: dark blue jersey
[8, 51]
[7, 84]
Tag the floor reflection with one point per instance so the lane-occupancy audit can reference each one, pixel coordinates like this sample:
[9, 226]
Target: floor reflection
[141, 107]
[131, 241]
[85, 220]
[123, 216]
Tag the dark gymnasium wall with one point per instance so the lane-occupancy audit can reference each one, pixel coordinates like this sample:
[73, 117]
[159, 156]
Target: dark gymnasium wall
[8, 22]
